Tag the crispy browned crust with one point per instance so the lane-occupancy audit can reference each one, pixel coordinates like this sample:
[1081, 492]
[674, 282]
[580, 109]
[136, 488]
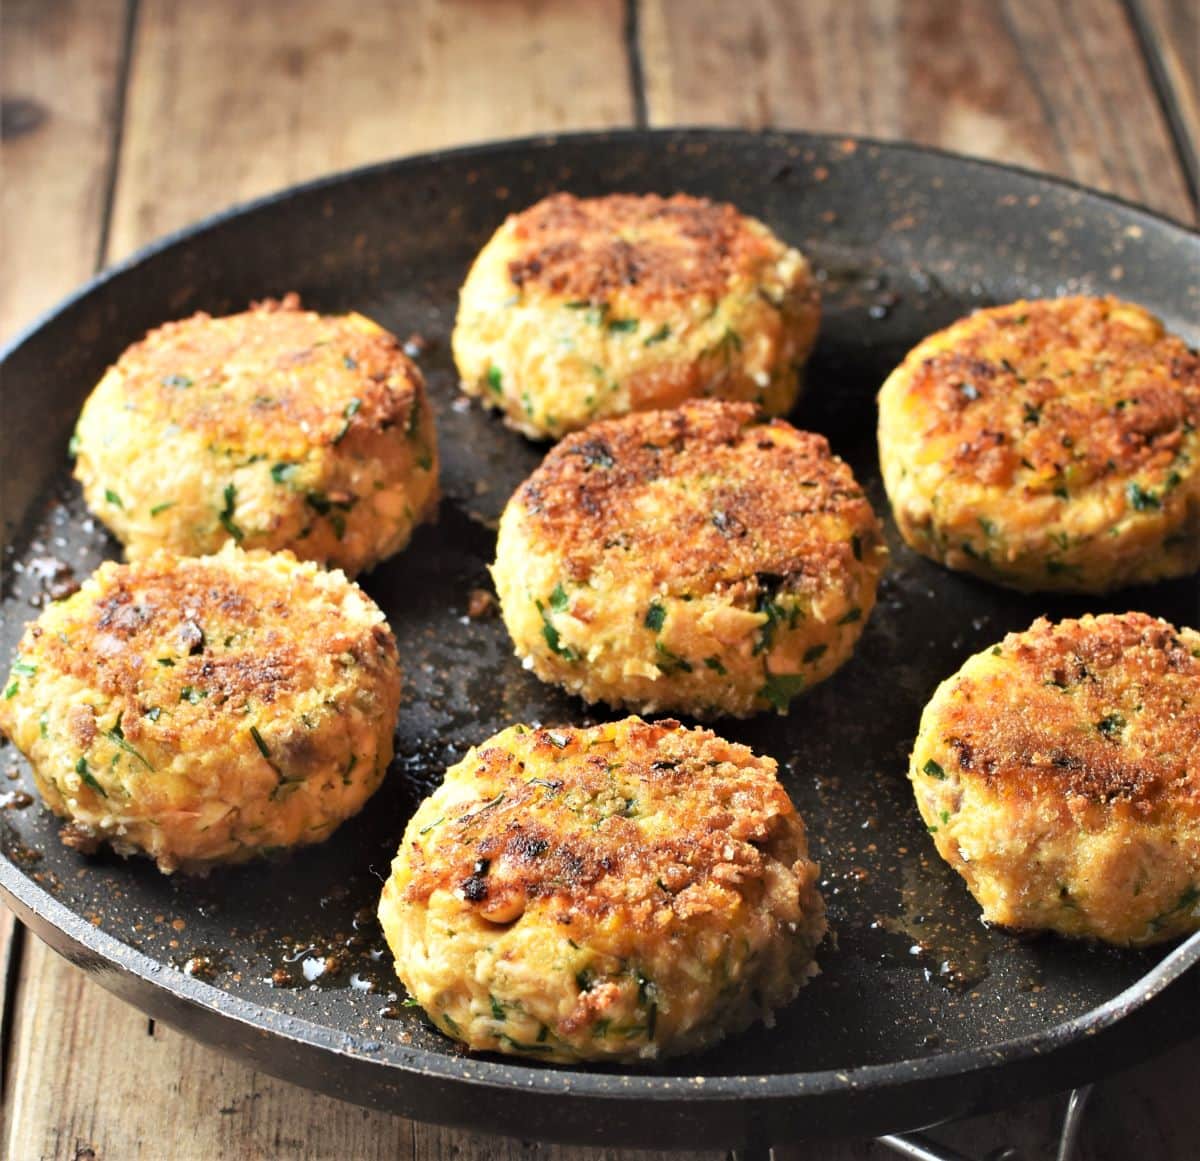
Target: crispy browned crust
[753, 505]
[668, 248]
[1104, 710]
[569, 837]
[206, 639]
[1068, 390]
[304, 378]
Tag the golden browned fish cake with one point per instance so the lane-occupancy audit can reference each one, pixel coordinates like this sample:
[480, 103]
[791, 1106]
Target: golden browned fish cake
[275, 428]
[615, 893]
[1048, 445]
[1059, 774]
[693, 560]
[581, 308]
[205, 709]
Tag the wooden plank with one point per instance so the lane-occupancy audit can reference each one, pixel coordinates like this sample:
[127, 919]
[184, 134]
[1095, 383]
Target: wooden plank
[1170, 30]
[59, 64]
[327, 86]
[106, 1080]
[1059, 87]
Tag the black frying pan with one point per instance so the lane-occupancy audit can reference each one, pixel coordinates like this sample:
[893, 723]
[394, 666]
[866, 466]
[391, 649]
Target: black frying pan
[921, 1013]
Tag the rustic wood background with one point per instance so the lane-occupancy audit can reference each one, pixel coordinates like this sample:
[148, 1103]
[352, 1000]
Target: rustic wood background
[124, 119]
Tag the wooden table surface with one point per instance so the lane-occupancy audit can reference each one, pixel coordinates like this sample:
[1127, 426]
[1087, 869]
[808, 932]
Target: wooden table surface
[124, 119]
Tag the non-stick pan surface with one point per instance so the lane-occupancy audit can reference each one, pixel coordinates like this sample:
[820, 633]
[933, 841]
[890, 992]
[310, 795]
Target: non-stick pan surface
[920, 1012]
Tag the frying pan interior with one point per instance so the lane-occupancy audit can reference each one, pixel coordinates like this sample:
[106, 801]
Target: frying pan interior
[918, 1006]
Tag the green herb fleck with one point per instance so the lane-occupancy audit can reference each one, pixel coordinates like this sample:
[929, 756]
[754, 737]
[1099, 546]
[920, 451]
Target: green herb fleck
[1111, 725]
[669, 662]
[179, 381]
[622, 325]
[258, 741]
[663, 332]
[349, 362]
[89, 779]
[154, 713]
[559, 599]
[780, 688]
[656, 614]
[436, 822]
[855, 614]
[495, 379]
[283, 473]
[1142, 500]
[24, 668]
[1033, 415]
[117, 736]
[226, 514]
[14, 687]
[934, 770]
[714, 663]
[814, 653]
[190, 694]
[351, 410]
[167, 662]
[497, 1008]
[160, 508]
[552, 637]
[113, 498]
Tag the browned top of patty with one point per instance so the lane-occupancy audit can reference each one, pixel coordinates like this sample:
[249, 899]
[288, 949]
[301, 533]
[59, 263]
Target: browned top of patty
[654, 822]
[182, 645]
[272, 376]
[1058, 392]
[702, 496]
[1104, 709]
[672, 248]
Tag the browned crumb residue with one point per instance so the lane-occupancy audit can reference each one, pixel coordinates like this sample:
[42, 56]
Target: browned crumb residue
[1070, 390]
[705, 496]
[576, 820]
[673, 248]
[1104, 708]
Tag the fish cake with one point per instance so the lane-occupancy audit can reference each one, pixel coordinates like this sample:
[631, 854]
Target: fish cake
[616, 893]
[582, 308]
[1059, 774]
[697, 561]
[274, 428]
[1048, 445]
[205, 709]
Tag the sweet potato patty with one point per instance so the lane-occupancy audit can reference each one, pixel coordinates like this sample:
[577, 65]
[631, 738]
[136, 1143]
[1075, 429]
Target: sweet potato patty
[692, 560]
[613, 893]
[205, 709]
[581, 308]
[1059, 773]
[1048, 445]
[274, 428]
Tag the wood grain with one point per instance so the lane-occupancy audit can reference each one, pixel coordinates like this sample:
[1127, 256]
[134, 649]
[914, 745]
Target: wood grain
[105, 1079]
[1058, 87]
[215, 118]
[59, 66]
[1171, 32]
